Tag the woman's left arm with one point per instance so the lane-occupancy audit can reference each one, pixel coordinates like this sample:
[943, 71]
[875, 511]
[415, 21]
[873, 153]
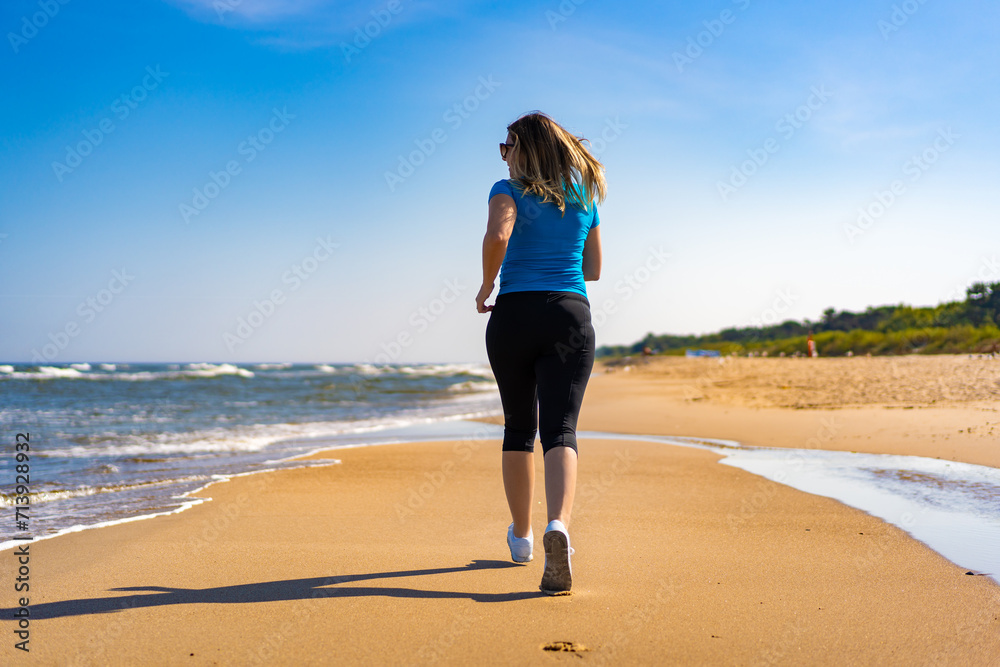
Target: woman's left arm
[592, 255]
[499, 227]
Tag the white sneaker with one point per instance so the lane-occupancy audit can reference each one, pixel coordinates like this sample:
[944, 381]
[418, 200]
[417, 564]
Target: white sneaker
[558, 576]
[520, 547]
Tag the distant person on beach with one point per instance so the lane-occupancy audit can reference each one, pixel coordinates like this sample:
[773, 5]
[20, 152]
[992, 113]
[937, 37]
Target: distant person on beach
[543, 231]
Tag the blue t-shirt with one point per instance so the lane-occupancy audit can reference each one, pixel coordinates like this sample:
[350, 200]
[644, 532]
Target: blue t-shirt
[545, 249]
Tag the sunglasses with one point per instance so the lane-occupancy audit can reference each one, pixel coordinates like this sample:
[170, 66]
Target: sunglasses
[503, 150]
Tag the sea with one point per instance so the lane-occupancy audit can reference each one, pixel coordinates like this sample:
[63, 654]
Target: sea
[112, 441]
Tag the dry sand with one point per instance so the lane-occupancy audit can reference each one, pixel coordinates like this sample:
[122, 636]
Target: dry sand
[397, 556]
[944, 407]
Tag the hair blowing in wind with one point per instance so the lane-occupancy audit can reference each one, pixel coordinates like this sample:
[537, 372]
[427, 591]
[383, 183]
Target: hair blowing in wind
[553, 164]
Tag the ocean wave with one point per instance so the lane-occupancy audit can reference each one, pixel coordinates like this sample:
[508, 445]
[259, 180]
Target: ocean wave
[212, 370]
[192, 371]
[234, 440]
[106, 372]
[425, 370]
[39, 497]
[473, 387]
[56, 372]
[371, 369]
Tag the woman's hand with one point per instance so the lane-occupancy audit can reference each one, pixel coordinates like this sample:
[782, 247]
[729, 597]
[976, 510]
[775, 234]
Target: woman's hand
[484, 293]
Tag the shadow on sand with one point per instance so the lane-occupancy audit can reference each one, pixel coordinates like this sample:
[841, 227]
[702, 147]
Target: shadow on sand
[271, 591]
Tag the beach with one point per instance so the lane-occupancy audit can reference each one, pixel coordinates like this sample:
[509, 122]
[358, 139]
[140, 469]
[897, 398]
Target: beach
[395, 554]
[941, 406]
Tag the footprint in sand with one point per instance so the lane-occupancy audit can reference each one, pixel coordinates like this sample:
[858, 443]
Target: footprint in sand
[571, 647]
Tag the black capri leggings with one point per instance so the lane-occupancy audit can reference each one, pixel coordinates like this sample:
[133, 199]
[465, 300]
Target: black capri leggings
[541, 349]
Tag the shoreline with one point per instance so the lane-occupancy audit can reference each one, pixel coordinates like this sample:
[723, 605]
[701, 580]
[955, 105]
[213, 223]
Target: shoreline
[731, 451]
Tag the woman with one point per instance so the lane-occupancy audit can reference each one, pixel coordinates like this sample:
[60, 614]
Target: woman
[543, 232]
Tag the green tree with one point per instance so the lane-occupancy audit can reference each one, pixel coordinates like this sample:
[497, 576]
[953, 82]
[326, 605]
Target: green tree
[983, 300]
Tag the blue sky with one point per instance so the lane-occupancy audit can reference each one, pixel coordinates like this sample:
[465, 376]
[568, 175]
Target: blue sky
[248, 181]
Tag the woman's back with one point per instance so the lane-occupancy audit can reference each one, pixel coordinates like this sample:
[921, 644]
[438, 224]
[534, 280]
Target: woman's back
[545, 249]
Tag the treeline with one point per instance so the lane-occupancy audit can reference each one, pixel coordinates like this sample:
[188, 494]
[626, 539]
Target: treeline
[968, 326]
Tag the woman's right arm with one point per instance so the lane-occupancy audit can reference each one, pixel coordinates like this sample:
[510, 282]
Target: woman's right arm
[592, 255]
[499, 227]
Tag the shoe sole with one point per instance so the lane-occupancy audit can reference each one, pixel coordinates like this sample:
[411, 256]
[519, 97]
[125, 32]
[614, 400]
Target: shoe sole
[557, 578]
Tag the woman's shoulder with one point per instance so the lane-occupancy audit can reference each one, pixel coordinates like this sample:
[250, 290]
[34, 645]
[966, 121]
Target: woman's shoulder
[502, 187]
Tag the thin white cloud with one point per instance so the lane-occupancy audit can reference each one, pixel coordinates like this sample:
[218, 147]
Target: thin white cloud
[254, 11]
[298, 25]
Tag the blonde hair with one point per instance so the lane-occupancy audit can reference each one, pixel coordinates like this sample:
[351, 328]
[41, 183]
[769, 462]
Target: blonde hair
[549, 162]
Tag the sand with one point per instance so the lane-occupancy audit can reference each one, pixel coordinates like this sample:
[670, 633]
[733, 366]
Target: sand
[945, 407]
[396, 555]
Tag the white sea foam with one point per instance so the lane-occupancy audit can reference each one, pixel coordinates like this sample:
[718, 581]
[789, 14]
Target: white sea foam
[240, 439]
[56, 372]
[81, 367]
[140, 376]
[212, 370]
[447, 369]
[10, 544]
[6, 368]
[473, 387]
[188, 503]
[326, 368]
[369, 369]
[39, 497]
[272, 367]
[108, 367]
